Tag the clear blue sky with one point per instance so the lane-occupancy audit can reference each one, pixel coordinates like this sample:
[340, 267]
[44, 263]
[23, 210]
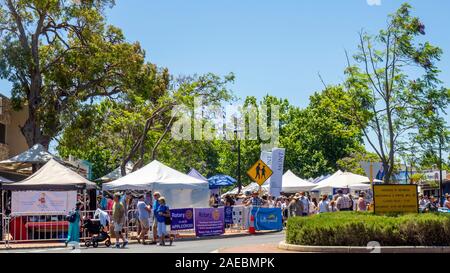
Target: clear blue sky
[275, 47]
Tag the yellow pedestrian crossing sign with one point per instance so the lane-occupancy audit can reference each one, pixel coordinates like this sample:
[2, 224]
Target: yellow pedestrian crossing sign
[260, 172]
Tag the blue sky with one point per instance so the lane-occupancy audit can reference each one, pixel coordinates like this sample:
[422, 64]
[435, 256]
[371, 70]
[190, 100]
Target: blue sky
[275, 47]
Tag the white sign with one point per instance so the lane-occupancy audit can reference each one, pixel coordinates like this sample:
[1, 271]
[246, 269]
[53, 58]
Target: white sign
[275, 160]
[43, 202]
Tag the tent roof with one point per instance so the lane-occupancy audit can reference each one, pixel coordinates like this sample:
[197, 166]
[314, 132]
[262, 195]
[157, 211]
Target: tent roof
[293, 183]
[52, 176]
[117, 173]
[341, 180]
[154, 176]
[35, 155]
[196, 174]
[4, 180]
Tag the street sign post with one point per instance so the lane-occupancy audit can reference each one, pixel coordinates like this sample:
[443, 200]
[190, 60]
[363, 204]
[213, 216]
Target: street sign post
[260, 172]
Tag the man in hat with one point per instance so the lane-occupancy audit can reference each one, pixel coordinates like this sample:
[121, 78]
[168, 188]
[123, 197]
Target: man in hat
[295, 207]
[255, 201]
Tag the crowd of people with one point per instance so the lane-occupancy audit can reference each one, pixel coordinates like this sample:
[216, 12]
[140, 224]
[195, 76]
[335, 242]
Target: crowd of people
[151, 210]
[298, 204]
[148, 209]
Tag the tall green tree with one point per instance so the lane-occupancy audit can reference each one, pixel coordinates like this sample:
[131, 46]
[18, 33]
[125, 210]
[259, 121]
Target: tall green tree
[60, 54]
[382, 82]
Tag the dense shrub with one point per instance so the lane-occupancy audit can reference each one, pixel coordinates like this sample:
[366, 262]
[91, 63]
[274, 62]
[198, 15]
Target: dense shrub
[357, 229]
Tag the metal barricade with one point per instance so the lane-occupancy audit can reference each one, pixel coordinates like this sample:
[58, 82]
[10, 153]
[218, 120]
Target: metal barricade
[32, 228]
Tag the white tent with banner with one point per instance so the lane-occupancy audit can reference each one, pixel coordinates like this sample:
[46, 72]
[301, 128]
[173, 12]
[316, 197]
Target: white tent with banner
[343, 180]
[52, 189]
[292, 183]
[179, 189]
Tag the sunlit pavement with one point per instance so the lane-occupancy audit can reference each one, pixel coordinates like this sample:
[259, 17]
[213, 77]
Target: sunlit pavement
[264, 243]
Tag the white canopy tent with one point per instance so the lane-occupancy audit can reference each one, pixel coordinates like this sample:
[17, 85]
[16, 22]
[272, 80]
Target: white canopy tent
[23, 162]
[292, 183]
[179, 189]
[249, 188]
[53, 176]
[116, 174]
[341, 180]
[360, 187]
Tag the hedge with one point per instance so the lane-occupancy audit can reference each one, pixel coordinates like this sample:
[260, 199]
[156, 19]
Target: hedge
[358, 229]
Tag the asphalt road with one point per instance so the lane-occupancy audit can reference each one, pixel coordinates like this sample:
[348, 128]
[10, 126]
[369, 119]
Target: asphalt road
[198, 246]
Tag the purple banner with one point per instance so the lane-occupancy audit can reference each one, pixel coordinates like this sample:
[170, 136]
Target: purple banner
[209, 222]
[182, 219]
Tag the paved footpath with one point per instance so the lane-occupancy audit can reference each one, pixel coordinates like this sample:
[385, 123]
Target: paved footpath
[261, 243]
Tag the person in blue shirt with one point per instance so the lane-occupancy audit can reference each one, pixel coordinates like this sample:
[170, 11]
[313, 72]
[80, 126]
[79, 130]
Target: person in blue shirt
[162, 213]
[156, 196]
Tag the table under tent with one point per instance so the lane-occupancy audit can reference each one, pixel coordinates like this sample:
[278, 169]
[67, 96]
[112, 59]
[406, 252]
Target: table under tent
[179, 189]
[40, 202]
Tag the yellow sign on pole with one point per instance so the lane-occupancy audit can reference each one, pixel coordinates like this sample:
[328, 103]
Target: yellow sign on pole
[395, 199]
[260, 172]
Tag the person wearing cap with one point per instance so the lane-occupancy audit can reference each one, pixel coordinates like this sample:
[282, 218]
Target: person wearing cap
[162, 213]
[143, 217]
[156, 196]
[118, 220]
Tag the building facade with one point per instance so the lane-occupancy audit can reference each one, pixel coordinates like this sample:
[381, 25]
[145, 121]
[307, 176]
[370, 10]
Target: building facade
[12, 142]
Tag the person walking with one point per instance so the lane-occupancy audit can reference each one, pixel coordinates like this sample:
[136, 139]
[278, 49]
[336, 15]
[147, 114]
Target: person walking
[343, 201]
[324, 204]
[156, 196]
[163, 213]
[295, 207]
[118, 220]
[73, 236]
[361, 204]
[144, 218]
[305, 202]
[255, 200]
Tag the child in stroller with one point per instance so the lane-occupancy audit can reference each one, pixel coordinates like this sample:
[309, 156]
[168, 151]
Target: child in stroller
[99, 234]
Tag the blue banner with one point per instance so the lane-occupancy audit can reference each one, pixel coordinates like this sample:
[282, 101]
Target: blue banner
[229, 215]
[267, 218]
[182, 219]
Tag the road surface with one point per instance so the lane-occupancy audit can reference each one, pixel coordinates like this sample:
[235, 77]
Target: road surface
[198, 246]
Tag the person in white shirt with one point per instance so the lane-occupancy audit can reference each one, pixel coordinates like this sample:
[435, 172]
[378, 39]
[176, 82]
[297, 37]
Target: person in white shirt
[324, 204]
[305, 202]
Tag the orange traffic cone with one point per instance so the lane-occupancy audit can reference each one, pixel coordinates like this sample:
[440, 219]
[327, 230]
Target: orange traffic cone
[251, 228]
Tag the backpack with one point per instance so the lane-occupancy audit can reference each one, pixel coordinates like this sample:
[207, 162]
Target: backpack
[71, 217]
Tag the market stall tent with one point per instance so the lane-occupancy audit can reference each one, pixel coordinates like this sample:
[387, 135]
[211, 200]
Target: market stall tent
[24, 161]
[341, 180]
[53, 176]
[292, 183]
[180, 190]
[116, 174]
[196, 174]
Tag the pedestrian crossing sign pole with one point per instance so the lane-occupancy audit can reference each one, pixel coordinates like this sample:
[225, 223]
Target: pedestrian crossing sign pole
[259, 173]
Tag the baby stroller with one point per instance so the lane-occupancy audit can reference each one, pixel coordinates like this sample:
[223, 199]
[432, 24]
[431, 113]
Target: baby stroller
[99, 234]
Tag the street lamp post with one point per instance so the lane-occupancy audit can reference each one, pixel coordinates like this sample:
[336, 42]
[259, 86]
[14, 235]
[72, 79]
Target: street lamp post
[239, 160]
